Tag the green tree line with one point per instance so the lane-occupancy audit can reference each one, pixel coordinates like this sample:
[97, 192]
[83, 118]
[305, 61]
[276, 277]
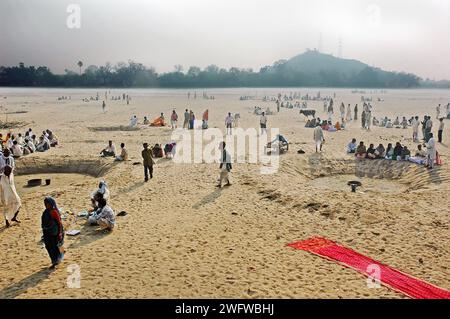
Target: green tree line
[133, 74]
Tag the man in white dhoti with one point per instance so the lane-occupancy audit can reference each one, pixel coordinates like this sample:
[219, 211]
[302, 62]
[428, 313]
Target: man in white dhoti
[415, 126]
[225, 166]
[431, 151]
[318, 138]
[342, 109]
[349, 113]
[368, 120]
[10, 200]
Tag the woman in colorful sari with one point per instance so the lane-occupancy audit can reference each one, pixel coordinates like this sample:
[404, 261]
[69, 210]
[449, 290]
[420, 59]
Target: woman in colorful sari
[53, 231]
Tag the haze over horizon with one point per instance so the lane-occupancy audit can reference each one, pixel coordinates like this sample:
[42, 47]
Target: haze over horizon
[410, 36]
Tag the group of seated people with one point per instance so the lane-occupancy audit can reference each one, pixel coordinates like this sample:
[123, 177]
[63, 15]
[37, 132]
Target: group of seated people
[388, 123]
[20, 145]
[258, 111]
[157, 151]
[110, 151]
[90, 99]
[398, 152]
[325, 125]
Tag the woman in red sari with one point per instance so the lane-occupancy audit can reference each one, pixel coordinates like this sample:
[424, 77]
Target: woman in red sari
[53, 231]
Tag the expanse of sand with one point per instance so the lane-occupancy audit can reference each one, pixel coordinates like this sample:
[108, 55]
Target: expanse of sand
[184, 238]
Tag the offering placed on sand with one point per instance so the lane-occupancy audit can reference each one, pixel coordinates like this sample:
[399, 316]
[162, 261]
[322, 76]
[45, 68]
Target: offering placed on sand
[73, 232]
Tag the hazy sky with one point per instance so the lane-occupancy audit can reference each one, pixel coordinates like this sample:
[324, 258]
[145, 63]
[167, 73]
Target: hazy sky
[399, 35]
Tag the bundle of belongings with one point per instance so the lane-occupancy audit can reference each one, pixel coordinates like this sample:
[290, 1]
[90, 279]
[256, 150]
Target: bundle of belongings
[159, 121]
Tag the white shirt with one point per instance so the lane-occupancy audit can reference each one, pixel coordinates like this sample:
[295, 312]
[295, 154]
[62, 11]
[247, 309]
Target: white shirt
[111, 148]
[441, 126]
[263, 119]
[31, 146]
[415, 125]
[318, 134]
[17, 150]
[431, 147]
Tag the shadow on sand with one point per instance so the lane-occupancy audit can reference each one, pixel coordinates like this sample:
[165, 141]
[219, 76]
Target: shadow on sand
[88, 234]
[208, 198]
[20, 287]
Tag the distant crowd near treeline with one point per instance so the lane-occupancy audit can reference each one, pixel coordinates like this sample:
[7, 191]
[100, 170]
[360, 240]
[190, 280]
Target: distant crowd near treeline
[132, 74]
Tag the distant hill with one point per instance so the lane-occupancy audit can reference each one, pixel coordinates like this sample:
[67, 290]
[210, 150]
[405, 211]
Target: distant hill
[315, 62]
[313, 68]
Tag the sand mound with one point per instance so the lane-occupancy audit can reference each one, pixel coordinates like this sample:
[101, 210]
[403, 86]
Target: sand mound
[12, 124]
[87, 166]
[113, 128]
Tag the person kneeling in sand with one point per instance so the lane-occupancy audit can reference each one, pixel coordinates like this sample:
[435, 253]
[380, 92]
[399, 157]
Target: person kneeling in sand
[104, 216]
[101, 192]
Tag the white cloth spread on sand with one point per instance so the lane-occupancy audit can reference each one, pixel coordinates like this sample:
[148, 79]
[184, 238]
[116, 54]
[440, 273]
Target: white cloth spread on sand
[10, 200]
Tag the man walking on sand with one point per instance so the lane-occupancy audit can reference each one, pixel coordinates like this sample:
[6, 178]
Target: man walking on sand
[174, 120]
[186, 119]
[263, 123]
[318, 138]
[441, 129]
[225, 166]
[147, 161]
[229, 124]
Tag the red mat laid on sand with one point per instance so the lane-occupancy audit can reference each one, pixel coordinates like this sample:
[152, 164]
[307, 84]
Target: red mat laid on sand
[401, 282]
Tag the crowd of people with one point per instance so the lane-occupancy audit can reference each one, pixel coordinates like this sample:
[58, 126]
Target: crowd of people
[426, 153]
[20, 145]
